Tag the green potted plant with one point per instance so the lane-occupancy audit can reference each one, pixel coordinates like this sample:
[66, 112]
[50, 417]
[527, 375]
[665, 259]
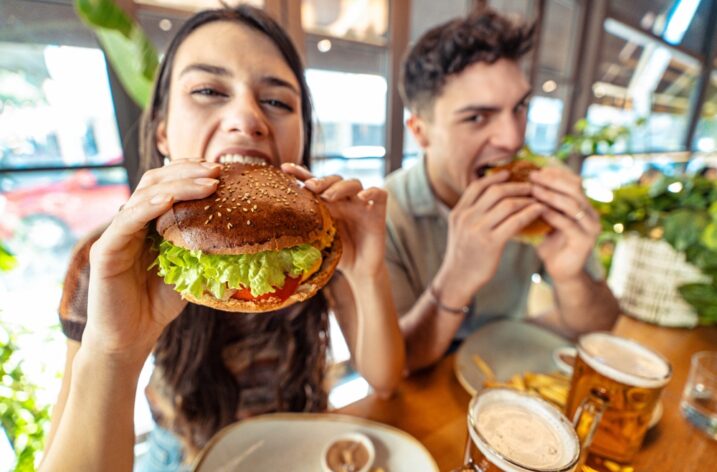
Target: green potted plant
[681, 212]
[23, 419]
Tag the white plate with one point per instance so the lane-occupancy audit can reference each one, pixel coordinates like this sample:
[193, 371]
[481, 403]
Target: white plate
[295, 442]
[509, 347]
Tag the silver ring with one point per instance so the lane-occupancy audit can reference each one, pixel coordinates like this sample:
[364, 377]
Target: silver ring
[579, 215]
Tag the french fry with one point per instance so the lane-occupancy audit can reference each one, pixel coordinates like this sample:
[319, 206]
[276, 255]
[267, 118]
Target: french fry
[484, 368]
[518, 382]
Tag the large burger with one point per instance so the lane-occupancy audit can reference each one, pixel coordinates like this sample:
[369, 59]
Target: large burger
[261, 242]
[520, 170]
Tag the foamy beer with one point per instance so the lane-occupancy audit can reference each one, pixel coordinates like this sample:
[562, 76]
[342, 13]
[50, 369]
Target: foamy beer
[510, 431]
[631, 378]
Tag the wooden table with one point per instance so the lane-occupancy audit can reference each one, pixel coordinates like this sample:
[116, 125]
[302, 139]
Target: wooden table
[432, 405]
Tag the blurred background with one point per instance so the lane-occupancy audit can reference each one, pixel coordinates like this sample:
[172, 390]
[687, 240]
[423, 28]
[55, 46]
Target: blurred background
[639, 79]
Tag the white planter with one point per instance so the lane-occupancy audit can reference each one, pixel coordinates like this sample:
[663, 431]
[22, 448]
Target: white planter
[645, 275]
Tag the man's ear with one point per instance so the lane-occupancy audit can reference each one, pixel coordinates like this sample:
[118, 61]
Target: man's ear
[161, 137]
[418, 129]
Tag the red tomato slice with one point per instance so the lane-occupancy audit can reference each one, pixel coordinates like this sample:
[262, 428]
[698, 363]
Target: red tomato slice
[290, 286]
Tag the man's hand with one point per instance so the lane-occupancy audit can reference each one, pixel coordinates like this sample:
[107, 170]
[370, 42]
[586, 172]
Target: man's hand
[576, 224]
[488, 214]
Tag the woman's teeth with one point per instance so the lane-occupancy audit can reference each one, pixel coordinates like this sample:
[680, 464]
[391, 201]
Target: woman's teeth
[241, 159]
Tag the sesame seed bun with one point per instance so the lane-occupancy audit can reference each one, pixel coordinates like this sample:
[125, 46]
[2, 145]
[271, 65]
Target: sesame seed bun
[255, 208]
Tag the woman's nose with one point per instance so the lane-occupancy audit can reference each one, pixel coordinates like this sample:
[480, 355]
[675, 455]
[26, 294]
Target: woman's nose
[245, 118]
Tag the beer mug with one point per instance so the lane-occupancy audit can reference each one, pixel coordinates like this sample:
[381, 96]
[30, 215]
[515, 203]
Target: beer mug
[511, 431]
[630, 377]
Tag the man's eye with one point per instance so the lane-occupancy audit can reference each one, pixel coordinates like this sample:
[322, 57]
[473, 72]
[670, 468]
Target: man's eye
[277, 103]
[523, 106]
[478, 118]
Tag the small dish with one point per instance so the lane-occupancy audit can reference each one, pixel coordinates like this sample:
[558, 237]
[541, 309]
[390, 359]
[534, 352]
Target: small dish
[349, 452]
[564, 358]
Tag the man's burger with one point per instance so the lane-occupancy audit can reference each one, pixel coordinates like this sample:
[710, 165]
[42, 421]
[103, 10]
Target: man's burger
[519, 170]
[261, 242]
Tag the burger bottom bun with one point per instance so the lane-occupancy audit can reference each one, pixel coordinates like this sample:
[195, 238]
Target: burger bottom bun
[535, 232]
[306, 290]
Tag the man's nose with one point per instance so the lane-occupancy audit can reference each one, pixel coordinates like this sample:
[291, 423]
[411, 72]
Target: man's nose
[509, 133]
[245, 116]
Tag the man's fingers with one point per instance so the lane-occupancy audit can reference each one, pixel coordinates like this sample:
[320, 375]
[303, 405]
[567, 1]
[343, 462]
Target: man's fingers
[512, 225]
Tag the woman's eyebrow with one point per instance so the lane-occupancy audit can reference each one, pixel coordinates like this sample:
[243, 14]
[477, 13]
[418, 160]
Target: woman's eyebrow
[274, 81]
[216, 70]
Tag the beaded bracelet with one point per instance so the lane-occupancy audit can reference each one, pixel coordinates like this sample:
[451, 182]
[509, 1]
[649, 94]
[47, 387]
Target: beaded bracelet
[437, 302]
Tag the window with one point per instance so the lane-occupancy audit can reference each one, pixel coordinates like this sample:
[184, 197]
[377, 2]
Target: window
[678, 22]
[359, 20]
[554, 74]
[349, 138]
[638, 77]
[705, 138]
[61, 170]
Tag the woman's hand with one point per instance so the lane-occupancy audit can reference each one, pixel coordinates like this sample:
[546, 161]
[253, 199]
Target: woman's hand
[577, 225]
[360, 216]
[129, 306]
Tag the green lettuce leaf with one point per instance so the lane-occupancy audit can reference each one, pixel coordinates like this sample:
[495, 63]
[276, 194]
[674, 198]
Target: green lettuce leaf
[194, 272]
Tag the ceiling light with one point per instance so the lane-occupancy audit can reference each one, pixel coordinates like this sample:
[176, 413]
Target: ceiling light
[549, 86]
[324, 45]
[165, 24]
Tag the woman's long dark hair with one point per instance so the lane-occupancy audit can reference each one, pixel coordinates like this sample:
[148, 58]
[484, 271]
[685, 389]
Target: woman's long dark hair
[190, 353]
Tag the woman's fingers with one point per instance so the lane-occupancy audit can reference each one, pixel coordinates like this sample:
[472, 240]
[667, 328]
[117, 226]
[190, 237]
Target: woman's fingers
[150, 203]
[178, 190]
[319, 185]
[373, 196]
[179, 169]
[342, 189]
[300, 172]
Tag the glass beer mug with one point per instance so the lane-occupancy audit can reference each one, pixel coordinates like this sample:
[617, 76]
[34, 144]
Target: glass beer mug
[511, 431]
[630, 377]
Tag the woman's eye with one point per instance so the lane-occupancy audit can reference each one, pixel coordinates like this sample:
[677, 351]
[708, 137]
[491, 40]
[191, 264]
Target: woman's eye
[272, 102]
[207, 92]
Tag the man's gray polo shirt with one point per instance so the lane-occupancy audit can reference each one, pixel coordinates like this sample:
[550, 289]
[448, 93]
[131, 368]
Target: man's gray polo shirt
[417, 230]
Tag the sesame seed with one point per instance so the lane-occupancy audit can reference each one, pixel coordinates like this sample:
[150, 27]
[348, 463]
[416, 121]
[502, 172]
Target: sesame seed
[207, 207]
[248, 222]
[229, 226]
[219, 215]
[210, 217]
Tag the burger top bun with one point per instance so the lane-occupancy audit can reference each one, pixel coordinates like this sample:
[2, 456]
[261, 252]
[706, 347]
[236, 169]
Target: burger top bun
[519, 172]
[255, 208]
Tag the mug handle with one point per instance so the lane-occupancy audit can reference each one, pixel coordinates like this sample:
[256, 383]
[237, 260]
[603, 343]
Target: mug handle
[468, 464]
[587, 419]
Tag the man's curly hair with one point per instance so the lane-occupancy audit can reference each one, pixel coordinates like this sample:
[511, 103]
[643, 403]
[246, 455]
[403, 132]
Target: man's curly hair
[447, 49]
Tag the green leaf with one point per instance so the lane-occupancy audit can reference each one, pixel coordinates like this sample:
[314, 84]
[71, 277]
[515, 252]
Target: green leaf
[683, 229]
[7, 259]
[709, 236]
[194, 271]
[129, 51]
